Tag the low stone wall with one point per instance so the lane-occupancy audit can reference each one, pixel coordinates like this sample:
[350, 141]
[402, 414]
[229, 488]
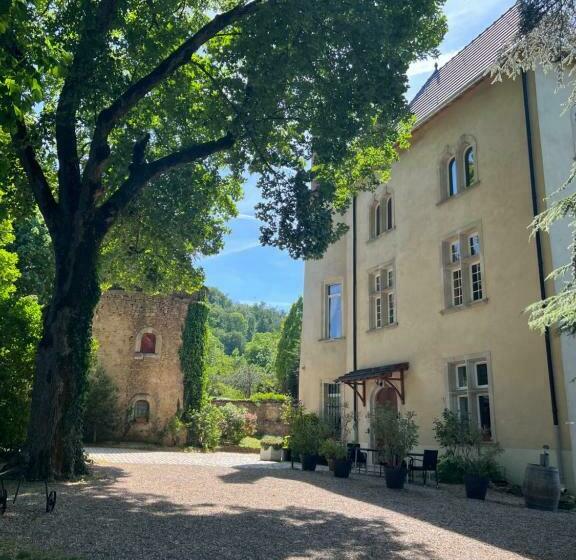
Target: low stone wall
[268, 415]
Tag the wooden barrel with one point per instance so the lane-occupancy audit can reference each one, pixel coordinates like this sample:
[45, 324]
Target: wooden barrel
[541, 487]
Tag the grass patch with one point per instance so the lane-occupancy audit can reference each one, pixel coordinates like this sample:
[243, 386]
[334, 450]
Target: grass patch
[250, 443]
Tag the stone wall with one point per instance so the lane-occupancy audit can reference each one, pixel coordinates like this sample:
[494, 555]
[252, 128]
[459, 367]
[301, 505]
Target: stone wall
[268, 414]
[120, 320]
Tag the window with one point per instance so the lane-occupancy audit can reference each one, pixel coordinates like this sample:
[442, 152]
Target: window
[148, 343]
[377, 220]
[389, 214]
[332, 411]
[334, 311]
[382, 298]
[452, 177]
[469, 166]
[141, 411]
[463, 269]
[470, 393]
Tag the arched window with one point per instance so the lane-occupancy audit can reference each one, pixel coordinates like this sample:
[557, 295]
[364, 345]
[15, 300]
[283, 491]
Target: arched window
[452, 177]
[141, 411]
[389, 214]
[377, 219]
[148, 343]
[470, 166]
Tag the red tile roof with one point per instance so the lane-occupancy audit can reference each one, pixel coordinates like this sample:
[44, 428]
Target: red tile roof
[466, 68]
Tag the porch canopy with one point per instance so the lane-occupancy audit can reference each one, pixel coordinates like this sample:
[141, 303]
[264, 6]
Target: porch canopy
[388, 374]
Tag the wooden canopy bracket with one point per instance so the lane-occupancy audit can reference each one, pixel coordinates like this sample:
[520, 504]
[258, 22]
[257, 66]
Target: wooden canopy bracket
[399, 391]
[354, 386]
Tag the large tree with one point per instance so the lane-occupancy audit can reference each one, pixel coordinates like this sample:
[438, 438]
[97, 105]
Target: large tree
[120, 109]
[547, 40]
[287, 362]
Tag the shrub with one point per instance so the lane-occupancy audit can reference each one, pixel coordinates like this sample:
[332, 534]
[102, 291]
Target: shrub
[464, 452]
[332, 449]
[206, 426]
[259, 397]
[306, 430]
[234, 425]
[395, 433]
[276, 442]
[250, 423]
[101, 418]
[175, 427]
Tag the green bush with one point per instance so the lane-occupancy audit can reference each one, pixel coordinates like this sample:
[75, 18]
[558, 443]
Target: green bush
[450, 469]
[206, 427]
[276, 442]
[259, 397]
[101, 418]
[332, 449]
[306, 430]
[234, 426]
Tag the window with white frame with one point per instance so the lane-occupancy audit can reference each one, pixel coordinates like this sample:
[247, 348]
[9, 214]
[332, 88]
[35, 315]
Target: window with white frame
[382, 297]
[470, 393]
[463, 269]
[333, 307]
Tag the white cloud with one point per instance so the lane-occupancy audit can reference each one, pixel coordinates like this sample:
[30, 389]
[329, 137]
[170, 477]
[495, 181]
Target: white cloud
[239, 248]
[246, 217]
[427, 66]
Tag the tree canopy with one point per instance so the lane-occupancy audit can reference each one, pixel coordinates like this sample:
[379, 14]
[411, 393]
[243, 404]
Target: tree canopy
[287, 362]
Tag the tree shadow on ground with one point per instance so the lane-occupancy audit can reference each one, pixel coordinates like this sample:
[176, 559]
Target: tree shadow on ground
[104, 519]
[533, 534]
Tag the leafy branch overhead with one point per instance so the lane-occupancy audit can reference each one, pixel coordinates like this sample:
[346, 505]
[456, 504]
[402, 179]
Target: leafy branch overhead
[130, 91]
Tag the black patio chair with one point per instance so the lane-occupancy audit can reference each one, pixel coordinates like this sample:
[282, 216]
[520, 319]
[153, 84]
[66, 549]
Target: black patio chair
[429, 463]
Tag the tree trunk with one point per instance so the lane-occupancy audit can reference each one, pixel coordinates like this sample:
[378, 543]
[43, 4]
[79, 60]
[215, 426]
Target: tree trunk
[54, 444]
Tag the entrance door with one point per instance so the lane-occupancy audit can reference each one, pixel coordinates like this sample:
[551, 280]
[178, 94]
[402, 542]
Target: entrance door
[388, 396]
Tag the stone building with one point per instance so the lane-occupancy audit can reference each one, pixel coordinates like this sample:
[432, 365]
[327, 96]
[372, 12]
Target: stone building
[139, 337]
[422, 303]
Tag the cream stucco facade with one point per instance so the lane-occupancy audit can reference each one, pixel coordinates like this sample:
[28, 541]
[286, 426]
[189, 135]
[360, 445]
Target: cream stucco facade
[512, 397]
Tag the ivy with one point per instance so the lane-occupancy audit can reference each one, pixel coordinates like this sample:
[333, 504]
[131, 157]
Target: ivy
[192, 356]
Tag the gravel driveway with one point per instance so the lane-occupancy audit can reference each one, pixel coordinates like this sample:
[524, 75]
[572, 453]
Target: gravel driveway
[229, 507]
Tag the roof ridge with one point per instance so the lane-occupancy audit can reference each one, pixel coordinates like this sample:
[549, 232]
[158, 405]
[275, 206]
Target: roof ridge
[461, 51]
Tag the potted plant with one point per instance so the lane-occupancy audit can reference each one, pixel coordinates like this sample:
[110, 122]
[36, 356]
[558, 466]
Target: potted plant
[305, 437]
[271, 448]
[328, 451]
[395, 434]
[478, 470]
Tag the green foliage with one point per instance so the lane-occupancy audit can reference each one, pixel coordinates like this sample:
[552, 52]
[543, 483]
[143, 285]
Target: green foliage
[261, 350]
[175, 427]
[333, 449]
[464, 452]
[395, 433]
[20, 327]
[192, 356]
[234, 426]
[275, 442]
[101, 413]
[306, 430]
[278, 397]
[287, 363]
[205, 426]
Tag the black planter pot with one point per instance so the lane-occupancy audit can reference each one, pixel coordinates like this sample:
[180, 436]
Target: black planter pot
[308, 462]
[395, 477]
[342, 468]
[476, 486]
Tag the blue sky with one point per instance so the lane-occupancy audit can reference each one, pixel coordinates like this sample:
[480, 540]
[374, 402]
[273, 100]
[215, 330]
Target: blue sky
[248, 272]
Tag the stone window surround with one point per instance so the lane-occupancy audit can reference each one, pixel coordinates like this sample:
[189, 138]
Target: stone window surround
[323, 298]
[449, 379]
[383, 271]
[381, 202]
[459, 153]
[447, 267]
[137, 344]
[140, 397]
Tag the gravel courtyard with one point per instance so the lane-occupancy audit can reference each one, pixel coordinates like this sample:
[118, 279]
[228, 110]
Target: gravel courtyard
[162, 506]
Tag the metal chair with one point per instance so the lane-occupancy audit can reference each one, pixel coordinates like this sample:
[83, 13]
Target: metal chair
[429, 462]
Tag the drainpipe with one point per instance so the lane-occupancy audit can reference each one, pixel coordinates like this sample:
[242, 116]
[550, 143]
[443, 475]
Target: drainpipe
[354, 317]
[541, 278]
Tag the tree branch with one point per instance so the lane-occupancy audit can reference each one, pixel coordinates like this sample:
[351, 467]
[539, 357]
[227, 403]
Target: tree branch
[109, 117]
[36, 178]
[90, 45]
[142, 173]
